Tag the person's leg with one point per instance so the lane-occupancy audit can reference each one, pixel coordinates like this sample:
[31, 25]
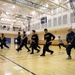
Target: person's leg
[5, 45]
[32, 50]
[38, 46]
[59, 46]
[44, 50]
[20, 48]
[63, 45]
[37, 49]
[47, 48]
[68, 50]
[1, 45]
[17, 45]
[32, 47]
[27, 48]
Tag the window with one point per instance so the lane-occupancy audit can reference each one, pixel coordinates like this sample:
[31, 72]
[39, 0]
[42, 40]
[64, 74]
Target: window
[55, 11]
[64, 19]
[72, 18]
[55, 22]
[49, 23]
[59, 20]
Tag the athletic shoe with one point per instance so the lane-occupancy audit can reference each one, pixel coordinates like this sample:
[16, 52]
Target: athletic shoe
[31, 53]
[38, 51]
[28, 51]
[42, 55]
[69, 57]
[52, 52]
[17, 50]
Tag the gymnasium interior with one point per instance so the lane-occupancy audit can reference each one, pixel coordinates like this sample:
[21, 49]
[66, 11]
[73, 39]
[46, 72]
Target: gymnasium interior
[27, 15]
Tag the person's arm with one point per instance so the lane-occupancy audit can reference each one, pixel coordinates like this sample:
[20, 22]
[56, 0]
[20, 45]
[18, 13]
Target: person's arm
[52, 37]
[68, 40]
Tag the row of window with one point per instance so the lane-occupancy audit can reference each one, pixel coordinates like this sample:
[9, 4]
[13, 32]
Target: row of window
[57, 21]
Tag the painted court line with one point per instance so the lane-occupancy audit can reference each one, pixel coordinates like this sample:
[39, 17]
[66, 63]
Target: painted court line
[18, 65]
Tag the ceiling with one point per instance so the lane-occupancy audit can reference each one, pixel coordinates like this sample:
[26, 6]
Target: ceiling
[13, 10]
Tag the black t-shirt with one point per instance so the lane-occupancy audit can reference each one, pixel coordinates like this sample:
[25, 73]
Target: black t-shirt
[35, 38]
[19, 38]
[70, 38]
[48, 37]
[3, 39]
[25, 39]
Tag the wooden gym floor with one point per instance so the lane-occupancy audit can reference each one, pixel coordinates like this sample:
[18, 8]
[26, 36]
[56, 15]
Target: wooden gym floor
[22, 63]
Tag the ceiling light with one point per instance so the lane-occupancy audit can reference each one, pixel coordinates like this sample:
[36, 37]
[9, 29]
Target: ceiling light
[13, 6]
[2, 19]
[7, 13]
[33, 12]
[47, 5]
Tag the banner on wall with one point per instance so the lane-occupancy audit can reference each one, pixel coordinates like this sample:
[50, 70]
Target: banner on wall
[43, 20]
[8, 40]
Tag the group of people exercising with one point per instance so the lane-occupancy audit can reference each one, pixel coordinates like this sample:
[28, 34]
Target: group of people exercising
[48, 37]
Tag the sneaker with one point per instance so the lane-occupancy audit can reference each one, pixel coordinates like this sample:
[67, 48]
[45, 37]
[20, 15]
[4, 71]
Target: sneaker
[38, 51]
[42, 55]
[69, 57]
[17, 50]
[52, 52]
[31, 53]
[28, 51]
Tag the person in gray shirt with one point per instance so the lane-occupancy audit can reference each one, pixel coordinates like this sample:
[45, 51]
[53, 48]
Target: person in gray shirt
[60, 42]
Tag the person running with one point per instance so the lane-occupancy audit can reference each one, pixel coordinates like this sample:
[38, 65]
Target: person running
[24, 42]
[19, 39]
[48, 37]
[34, 42]
[70, 38]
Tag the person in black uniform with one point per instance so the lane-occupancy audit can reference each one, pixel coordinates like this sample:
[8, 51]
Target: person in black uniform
[70, 38]
[48, 37]
[24, 42]
[3, 41]
[37, 42]
[34, 42]
[19, 39]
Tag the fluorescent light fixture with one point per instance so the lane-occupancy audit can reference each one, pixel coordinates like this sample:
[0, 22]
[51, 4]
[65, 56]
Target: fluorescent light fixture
[33, 12]
[47, 5]
[13, 6]
[7, 13]
[2, 19]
